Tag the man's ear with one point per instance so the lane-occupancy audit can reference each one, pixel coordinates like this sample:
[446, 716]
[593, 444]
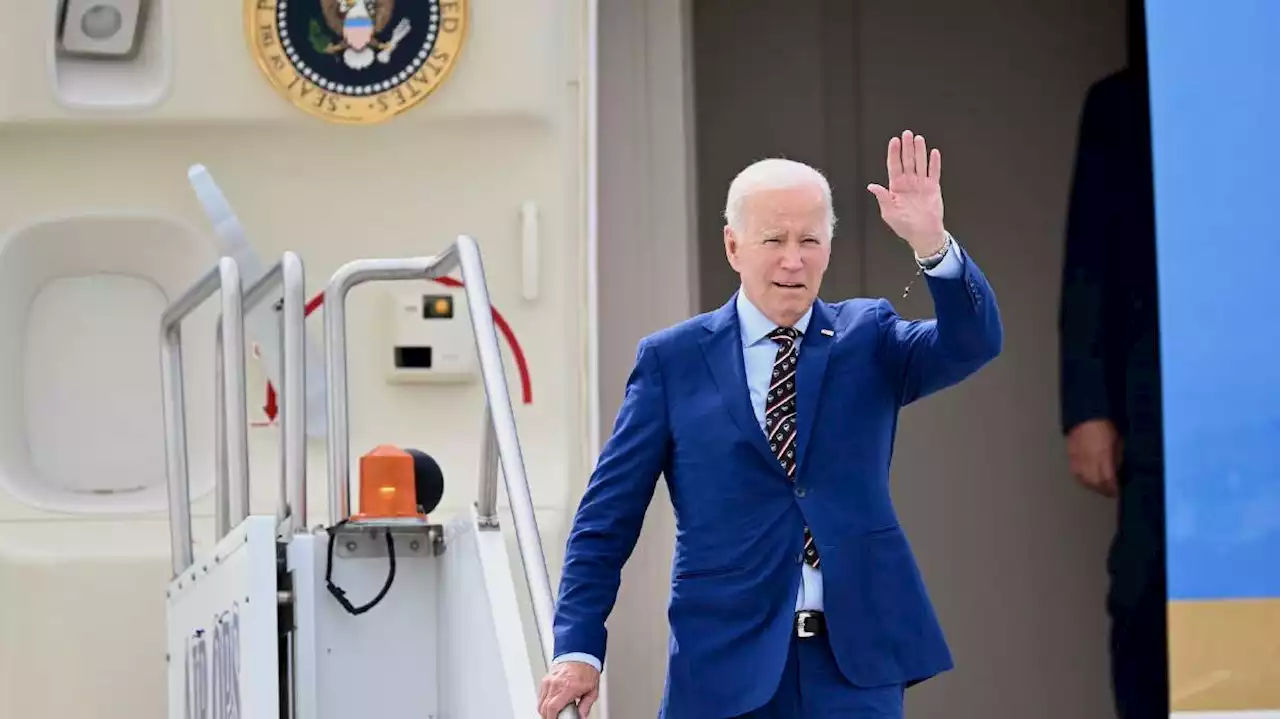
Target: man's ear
[731, 246]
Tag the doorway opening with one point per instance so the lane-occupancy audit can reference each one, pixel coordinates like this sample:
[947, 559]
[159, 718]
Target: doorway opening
[1013, 549]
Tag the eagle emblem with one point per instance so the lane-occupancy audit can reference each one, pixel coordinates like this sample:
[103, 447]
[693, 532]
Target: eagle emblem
[359, 26]
[356, 61]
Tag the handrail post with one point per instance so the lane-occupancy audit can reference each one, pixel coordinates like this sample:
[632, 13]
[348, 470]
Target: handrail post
[221, 479]
[293, 409]
[487, 502]
[226, 279]
[500, 424]
[291, 500]
[229, 510]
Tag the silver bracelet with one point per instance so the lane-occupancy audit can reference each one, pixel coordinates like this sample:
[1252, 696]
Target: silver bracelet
[932, 261]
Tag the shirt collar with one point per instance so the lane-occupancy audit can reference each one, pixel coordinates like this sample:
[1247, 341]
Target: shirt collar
[755, 326]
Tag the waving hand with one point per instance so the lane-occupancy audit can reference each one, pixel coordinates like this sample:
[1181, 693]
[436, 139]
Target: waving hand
[912, 204]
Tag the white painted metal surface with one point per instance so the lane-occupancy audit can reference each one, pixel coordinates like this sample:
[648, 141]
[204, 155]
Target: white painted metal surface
[222, 646]
[384, 662]
[489, 672]
[395, 617]
[447, 640]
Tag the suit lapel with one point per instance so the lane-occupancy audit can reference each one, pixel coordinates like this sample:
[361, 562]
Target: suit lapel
[810, 374]
[722, 349]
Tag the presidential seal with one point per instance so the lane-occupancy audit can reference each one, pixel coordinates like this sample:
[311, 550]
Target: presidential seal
[356, 61]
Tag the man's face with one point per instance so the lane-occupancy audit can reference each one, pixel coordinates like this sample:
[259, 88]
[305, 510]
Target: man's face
[782, 251]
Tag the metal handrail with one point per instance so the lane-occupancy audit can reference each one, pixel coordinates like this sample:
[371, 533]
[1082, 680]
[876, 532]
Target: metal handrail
[225, 278]
[291, 505]
[500, 430]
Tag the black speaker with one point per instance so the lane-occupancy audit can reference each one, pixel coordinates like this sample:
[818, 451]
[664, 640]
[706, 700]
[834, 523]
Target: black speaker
[428, 480]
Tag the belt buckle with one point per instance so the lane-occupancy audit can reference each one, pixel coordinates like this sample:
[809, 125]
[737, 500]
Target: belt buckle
[802, 629]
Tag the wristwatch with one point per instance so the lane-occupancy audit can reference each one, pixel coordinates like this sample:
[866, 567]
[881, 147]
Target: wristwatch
[932, 261]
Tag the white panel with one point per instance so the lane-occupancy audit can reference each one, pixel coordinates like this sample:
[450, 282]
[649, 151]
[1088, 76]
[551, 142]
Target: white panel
[380, 663]
[223, 651]
[486, 673]
[92, 398]
[446, 641]
[428, 335]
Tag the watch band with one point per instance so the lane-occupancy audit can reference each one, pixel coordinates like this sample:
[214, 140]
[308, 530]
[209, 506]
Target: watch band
[932, 261]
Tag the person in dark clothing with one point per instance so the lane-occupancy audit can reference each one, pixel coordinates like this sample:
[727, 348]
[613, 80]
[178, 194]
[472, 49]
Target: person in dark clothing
[1110, 375]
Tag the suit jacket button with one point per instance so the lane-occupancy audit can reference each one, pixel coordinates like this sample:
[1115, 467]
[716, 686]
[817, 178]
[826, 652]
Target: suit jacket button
[800, 491]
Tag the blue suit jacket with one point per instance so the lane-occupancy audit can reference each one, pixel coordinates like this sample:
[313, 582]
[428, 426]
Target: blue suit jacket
[686, 416]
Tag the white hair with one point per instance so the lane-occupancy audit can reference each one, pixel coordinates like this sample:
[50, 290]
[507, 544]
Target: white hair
[772, 174]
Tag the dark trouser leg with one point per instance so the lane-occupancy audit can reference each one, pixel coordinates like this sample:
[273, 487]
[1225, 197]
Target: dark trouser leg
[1137, 600]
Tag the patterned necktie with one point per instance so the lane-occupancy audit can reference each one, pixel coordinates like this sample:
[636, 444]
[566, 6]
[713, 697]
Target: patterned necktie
[780, 415]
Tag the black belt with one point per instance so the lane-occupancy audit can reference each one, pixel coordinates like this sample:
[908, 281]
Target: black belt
[810, 624]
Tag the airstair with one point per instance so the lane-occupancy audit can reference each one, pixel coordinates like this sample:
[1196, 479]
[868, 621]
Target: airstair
[380, 612]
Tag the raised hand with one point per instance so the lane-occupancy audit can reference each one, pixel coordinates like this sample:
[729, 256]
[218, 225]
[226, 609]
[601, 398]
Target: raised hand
[912, 204]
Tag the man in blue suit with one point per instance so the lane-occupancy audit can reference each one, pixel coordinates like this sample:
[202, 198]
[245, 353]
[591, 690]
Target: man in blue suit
[794, 590]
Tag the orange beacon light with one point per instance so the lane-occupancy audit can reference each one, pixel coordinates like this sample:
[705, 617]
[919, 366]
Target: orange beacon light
[387, 488]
